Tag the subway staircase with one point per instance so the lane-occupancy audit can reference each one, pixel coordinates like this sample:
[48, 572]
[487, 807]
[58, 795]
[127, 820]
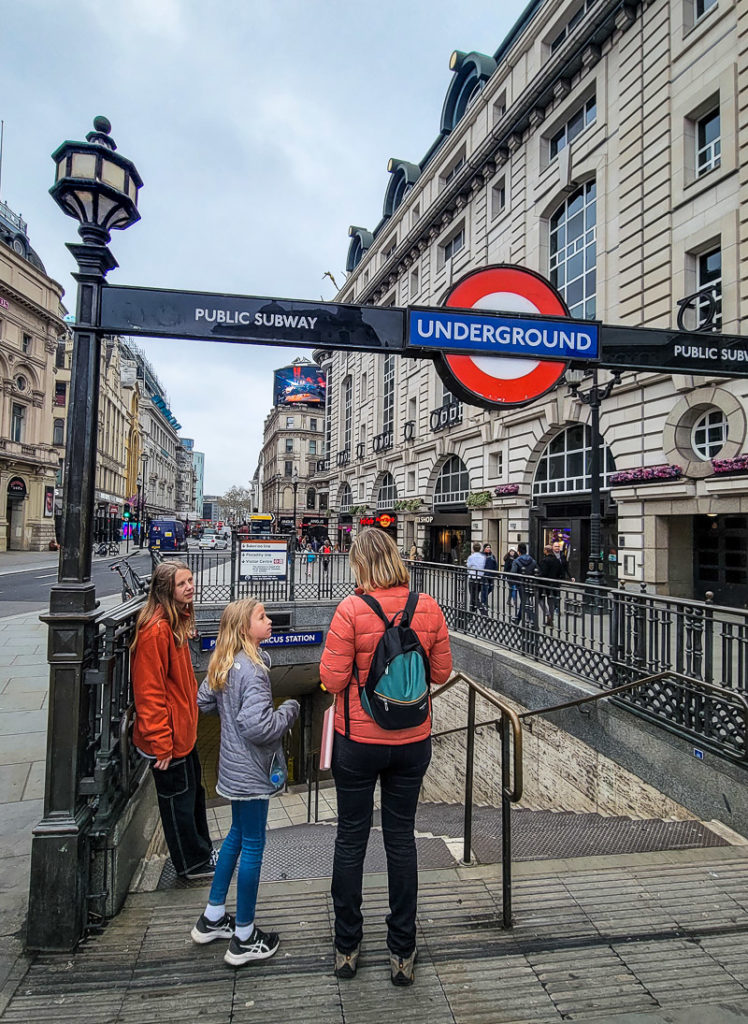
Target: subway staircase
[616, 920]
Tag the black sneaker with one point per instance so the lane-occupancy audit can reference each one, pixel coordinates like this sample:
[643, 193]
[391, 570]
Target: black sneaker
[208, 931]
[200, 874]
[259, 946]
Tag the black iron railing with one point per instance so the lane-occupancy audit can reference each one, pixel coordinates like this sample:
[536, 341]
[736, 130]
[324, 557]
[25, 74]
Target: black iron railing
[700, 697]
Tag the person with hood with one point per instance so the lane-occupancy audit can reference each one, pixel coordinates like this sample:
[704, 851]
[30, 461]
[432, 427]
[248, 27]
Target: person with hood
[490, 567]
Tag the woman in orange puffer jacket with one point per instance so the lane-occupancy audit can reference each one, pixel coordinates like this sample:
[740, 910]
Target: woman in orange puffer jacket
[364, 752]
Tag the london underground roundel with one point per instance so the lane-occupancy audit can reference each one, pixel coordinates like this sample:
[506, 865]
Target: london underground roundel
[496, 381]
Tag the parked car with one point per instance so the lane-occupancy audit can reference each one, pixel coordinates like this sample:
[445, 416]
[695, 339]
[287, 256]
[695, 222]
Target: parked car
[213, 542]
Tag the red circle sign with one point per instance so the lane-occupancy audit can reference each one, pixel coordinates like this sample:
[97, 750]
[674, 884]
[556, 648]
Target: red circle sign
[495, 381]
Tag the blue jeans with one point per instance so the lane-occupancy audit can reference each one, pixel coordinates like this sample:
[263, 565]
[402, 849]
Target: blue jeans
[245, 843]
[400, 769]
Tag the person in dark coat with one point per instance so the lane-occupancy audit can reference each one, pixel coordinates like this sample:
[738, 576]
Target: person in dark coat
[550, 568]
[523, 565]
[489, 579]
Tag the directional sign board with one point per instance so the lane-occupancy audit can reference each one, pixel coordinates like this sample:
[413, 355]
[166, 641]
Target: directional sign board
[263, 559]
[485, 378]
[500, 341]
[250, 318]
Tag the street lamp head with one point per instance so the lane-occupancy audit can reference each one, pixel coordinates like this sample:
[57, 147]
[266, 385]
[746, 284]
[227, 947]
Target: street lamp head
[96, 185]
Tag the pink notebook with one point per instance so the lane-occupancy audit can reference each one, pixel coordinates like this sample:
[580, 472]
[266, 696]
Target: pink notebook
[328, 733]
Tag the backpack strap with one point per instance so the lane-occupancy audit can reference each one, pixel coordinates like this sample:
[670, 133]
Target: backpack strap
[410, 608]
[375, 607]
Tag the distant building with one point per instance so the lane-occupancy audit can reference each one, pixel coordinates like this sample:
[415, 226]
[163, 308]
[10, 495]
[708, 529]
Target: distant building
[31, 329]
[288, 477]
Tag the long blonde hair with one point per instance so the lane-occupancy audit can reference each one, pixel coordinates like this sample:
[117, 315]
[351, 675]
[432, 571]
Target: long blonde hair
[233, 636]
[161, 596]
[376, 562]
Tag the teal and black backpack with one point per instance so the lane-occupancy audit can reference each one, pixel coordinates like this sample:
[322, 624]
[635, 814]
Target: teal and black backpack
[396, 692]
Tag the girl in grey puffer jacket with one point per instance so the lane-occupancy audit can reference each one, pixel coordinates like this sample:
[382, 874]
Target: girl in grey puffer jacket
[238, 688]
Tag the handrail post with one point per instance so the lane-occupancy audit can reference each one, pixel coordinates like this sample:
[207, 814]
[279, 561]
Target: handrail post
[506, 824]
[469, 758]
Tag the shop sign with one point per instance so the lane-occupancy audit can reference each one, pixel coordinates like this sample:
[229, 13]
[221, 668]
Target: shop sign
[314, 521]
[424, 519]
[17, 487]
[4, 303]
[385, 520]
[113, 508]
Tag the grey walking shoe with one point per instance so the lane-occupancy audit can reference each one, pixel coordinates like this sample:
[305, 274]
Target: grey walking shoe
[346, 964]
[402, 968]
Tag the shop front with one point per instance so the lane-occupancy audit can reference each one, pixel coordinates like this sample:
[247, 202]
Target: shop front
[344, 531]
[17, 494]
[568, 522]
[447, 538]
[314, 528]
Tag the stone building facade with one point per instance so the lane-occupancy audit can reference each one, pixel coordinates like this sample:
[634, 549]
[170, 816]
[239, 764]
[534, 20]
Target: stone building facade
[288, 477]
[31, 324]
[601, 146]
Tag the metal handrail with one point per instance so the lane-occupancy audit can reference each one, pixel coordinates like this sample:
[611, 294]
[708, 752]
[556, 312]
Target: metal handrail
[511, 777]
[511, 724]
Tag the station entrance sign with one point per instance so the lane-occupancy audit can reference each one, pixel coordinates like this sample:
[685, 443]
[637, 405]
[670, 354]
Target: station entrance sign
[540, 344]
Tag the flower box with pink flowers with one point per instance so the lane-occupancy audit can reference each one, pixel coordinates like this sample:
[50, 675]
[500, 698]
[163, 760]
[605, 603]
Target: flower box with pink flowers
[645, 475]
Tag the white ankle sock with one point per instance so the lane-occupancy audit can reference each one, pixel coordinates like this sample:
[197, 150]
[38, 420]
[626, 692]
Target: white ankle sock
[243, 932]
[213, 913]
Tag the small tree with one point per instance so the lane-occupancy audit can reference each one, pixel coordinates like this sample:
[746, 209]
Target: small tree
[237, 503]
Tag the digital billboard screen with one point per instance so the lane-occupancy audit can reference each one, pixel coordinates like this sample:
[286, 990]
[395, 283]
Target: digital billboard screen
[299, 385]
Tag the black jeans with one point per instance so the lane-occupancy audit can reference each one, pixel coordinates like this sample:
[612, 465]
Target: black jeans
[400, 769]
[181, 801]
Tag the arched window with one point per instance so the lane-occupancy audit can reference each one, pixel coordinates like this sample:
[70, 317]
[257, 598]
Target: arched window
[564, 466]
[311, 497]
[573, 251]
[387, 494]
[346, 497]
[453, 483]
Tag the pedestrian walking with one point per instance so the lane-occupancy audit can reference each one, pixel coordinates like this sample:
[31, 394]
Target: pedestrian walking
[251, 768]
[326, 552]
[364, 752]
[165, 726]
[489, 568]
[523, 565]
[309, 558]
[475, 565]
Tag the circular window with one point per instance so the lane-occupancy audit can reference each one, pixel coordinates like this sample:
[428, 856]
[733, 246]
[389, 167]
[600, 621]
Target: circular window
[709, 434]
[21, 382]
[705, 424]
[19, 247]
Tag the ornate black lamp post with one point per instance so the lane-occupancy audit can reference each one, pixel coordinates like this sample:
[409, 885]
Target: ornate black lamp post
[99, 188]
[593, 398]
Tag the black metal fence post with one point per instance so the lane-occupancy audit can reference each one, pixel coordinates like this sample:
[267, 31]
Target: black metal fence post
[506, 825]
[469, 759]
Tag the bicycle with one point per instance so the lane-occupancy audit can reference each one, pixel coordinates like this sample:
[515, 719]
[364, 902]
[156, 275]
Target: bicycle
[132, 584]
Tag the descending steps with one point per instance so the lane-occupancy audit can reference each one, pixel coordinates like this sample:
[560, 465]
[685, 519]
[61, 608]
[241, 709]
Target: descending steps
[306, 850]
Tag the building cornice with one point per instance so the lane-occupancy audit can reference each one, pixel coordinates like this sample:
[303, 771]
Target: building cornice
[581, 51]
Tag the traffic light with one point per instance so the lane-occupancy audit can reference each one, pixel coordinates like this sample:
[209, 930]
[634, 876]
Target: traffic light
[126, 513]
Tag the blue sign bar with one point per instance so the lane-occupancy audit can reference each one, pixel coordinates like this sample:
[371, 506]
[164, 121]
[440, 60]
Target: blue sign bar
[496, 335]
[208, 643]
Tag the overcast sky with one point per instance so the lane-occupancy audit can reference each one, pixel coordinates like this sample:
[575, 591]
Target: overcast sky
[261, 129]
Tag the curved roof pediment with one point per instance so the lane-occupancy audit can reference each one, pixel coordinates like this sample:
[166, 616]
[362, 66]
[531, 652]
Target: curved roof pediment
[470, 70]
